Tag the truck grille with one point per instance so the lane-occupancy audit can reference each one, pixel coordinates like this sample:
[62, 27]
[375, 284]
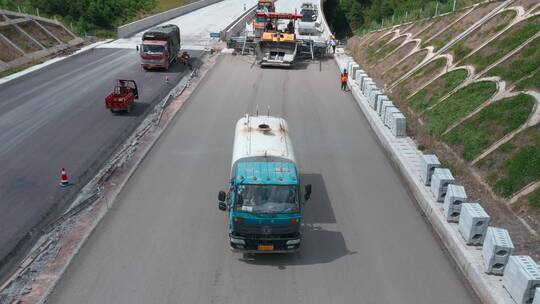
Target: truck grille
[266, 231]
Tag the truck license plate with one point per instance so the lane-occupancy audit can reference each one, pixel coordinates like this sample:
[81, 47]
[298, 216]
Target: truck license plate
[265, 247]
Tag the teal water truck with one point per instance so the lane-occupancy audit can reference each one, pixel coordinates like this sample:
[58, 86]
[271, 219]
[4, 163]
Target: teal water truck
[264, 197]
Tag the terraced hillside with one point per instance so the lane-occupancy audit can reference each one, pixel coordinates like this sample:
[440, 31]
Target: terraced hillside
[469, 83]
[26, 38]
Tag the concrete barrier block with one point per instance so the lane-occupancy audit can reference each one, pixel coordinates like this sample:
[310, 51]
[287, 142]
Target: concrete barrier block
[398, 125]
[429, 162]
[387, 119]
[352, 70]
[371, 86]
[366, 87]
[381, 98]
[455, 196]
[521, 278]
[496, 250]
[473, 223]
[350, 64]
[360, 74]
[536, 299]
[440, 180]
[373, 97]
[382, 105]
[365, 84]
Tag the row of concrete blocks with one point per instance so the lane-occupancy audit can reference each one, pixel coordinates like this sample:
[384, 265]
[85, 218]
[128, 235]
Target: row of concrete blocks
[389, 114]
[521, 275]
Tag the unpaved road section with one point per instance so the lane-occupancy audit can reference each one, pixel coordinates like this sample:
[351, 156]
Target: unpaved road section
[165, 241]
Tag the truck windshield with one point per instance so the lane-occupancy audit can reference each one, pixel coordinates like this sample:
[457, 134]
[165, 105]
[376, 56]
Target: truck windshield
[267, 198]
[308, 16]
[152, 49]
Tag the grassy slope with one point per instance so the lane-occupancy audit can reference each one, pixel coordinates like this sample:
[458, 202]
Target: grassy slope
[504, 44]
[491, 124]
[458, 105]
[515, 164]
[527, 61]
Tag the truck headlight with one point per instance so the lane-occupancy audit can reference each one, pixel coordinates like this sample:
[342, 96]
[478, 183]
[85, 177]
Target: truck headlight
[293, 242]
[238, 241]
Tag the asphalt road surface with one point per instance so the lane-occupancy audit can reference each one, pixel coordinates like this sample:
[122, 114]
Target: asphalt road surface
[165, 241]
[56, 117]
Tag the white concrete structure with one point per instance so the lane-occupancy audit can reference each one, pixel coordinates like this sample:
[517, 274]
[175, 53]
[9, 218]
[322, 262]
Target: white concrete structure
[388, 115]
[496, 250]
[380, 98]
[381, 107]
[473, 223]
[440, 180]
[369, 86]
[360, 74]
[365, 82]
[353, 67]
[536, 296]
[373, 97]
[429, 162]
[455, 196]
[398, 125]
[521, 278]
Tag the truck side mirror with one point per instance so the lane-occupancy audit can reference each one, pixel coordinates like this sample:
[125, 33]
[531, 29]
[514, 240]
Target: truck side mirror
[222, 206]
[307, 195]
[222, 196]
[137, 47]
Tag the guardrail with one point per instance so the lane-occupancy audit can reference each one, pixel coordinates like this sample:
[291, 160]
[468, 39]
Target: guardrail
[237, 25]
[137, 26]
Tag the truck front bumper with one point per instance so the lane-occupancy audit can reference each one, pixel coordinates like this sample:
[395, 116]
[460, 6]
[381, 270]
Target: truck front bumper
[264, 245]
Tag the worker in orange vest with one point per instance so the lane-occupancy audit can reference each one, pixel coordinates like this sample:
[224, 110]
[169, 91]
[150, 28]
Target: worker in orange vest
[344, 79]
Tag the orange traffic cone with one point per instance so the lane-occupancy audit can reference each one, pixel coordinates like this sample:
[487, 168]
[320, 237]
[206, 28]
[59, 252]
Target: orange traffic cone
[64, 182]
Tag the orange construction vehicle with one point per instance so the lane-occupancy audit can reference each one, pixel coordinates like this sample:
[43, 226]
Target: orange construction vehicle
[278, 46]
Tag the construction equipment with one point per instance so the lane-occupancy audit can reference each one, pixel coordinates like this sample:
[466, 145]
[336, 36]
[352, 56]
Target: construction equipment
[123, 96]
[277, 47]
[310, 23]
[277, 44]
[160, 46]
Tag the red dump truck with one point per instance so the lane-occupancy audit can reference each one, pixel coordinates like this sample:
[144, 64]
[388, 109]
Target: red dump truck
[160, 47]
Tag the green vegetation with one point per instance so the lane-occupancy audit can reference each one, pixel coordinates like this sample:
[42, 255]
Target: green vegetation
[490, 125]
[527, 61]
[530, 82]
[458, 105]
[520, 170]
[366, 15]
[165, 5]
[438, 89]
[95, 17]
[504, 44]
[512, 167]
[460, 51]
[534, 198]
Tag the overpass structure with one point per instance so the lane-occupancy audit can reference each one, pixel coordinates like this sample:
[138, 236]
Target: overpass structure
[163, 239]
